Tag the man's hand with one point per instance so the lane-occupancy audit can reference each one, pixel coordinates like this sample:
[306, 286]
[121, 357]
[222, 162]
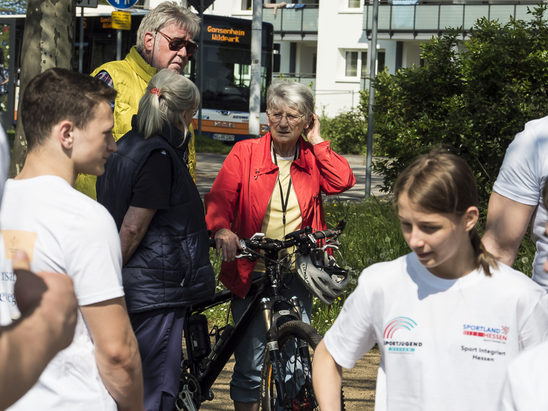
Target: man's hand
[51, 293]
[229, 242]
[48, 318]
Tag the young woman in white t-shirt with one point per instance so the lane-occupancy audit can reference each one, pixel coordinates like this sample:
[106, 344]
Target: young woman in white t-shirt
[447, 318]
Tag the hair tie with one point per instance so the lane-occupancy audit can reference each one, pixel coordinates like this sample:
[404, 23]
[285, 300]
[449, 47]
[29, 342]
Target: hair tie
[156, 91]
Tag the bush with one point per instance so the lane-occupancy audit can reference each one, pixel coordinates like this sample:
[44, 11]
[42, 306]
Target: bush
[347, 131]
[473, 96]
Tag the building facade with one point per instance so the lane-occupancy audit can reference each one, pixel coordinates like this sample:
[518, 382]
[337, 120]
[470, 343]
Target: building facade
[325, 43]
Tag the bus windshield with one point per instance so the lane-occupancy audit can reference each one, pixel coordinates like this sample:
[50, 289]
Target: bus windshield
[227, 76]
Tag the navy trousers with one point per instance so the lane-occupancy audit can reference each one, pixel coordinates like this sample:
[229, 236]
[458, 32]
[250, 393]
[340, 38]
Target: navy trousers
[159, 334]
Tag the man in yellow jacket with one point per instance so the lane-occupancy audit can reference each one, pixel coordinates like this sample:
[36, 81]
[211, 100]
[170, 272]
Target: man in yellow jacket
[164, 40]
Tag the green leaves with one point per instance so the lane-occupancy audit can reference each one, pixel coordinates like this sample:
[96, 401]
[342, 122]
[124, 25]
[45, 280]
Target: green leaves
[473, 96]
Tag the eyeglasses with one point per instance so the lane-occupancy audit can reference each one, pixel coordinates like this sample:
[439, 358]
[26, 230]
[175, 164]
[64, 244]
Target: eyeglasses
[277, 117]
[177, 43]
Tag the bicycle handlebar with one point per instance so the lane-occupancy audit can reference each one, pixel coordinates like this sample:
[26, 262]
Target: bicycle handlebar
[303, 237]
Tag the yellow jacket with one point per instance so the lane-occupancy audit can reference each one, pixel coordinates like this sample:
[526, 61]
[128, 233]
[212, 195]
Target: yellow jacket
[130, 78]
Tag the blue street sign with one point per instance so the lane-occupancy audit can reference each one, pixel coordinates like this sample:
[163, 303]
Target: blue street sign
[122, 4]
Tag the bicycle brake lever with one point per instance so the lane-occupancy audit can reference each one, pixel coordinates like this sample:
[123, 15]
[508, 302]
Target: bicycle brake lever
[257, 236]
[244, 255]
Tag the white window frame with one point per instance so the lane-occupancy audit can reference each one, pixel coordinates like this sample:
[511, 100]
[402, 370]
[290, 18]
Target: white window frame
[344, 7]
[362, 53]
[359, 6]
[250, 5]
[238, 11]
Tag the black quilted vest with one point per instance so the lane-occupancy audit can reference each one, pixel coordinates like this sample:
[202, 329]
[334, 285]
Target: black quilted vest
[170, 267]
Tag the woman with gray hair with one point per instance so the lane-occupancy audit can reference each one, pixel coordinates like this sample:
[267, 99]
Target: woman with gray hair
[272, 185]
[148, 190]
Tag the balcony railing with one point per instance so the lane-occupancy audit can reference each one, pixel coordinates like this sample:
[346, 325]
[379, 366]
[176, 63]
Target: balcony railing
[293, 21]
[308, 79]
[435, 17]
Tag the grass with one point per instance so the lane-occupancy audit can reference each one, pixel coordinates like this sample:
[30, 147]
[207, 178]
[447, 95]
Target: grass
[205, 144]
[372, 235]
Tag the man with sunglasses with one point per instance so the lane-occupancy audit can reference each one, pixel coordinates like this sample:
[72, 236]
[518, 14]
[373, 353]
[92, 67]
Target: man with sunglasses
[164, 40]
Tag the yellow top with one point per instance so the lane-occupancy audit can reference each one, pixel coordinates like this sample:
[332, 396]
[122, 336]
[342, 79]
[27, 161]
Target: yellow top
[130, 78]
[273, 226]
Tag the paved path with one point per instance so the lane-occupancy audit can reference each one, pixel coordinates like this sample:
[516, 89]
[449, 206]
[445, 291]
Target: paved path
[208, 166]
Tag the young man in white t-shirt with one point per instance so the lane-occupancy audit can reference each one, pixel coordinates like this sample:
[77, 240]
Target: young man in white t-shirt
[527, 376]
[68, 124]
[48, 315]
[516, 201]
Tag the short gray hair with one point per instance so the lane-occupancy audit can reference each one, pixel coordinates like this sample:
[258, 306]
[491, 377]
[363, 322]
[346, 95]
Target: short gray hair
[166, 13]
[167, 97]
[290, 94]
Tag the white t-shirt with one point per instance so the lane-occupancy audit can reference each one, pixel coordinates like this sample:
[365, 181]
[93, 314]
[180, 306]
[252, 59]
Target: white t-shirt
[526, 381]
[4, 160]
[445, 344]
[6, 295]
[63, 230]
[521, 178]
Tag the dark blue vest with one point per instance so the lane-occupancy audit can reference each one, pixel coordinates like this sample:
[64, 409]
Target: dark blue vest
[170, 267]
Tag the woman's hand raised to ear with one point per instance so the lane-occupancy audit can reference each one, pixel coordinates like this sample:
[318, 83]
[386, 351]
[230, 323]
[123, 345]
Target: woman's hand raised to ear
[312, 131]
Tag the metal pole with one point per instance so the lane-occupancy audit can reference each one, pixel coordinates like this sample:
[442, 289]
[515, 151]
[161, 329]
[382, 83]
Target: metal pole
[118, 44]
[201, 68]
[81, 48]
[255, 83]
[372, 75]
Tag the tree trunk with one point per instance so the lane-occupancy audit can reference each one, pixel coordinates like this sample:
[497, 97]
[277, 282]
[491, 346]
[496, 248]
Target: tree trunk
[48, 41]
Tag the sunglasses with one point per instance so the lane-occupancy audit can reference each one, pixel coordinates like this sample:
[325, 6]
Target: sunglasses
[177, 43]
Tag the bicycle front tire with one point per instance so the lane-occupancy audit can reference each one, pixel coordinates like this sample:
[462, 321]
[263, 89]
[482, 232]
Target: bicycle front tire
[296, 365]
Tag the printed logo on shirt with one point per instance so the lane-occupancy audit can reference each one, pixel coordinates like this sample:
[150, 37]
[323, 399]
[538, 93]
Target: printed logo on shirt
[19, 240]
[486, 333]
[398, 336]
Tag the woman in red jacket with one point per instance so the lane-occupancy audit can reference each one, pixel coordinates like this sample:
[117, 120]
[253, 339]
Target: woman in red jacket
[272, 185]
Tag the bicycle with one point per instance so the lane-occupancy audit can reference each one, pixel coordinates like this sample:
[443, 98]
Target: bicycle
[286, 381]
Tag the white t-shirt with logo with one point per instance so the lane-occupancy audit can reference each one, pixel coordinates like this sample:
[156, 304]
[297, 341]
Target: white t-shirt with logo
[445, 344]
[521, 178]
[5, 266]
[63, 230]
[526, 381]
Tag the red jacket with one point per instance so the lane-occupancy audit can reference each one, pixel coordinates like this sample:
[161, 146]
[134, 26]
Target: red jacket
[241, 192]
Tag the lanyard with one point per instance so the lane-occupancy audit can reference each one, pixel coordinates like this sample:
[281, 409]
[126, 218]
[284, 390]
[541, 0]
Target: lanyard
[284, 203]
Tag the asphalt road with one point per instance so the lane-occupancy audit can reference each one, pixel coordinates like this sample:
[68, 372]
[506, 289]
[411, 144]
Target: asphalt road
[208, 165]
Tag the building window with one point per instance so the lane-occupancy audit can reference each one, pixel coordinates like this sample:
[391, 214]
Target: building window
[276, 57]
[365, 64]
[351, 66]
[246, 4]
[353, 4]
[381, 56]
[356, 64]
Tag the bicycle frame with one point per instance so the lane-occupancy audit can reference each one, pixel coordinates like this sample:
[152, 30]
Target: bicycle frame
[275, 307]
[200, 371]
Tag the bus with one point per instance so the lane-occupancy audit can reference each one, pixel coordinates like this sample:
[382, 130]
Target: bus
[224, 79]
[226, 76]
